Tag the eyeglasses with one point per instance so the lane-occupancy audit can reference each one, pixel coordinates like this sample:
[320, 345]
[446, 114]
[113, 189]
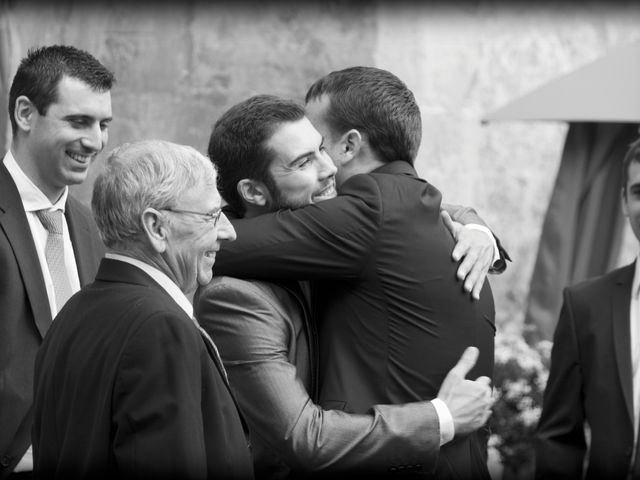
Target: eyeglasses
[209, 217]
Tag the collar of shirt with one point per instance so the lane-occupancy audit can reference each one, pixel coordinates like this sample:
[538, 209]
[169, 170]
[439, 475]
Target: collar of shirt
[161, 278]
[32, 197]
[635, 286]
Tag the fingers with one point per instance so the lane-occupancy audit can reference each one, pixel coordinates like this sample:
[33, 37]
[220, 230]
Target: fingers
[476, 278]
[486, 415]
[467, 265]
[484, 381]
[474, 270]
[460, 250]
[452, 226]
[467, 361]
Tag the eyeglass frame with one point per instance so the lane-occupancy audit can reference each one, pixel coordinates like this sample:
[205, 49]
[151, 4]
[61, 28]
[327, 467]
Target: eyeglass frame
[215, 217]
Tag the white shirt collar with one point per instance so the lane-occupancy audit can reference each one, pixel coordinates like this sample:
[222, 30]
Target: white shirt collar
[635, 286]
[32, 197]
[161, 278]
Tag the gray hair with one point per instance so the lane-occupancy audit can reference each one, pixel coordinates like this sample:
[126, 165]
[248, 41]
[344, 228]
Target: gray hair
[140, 175]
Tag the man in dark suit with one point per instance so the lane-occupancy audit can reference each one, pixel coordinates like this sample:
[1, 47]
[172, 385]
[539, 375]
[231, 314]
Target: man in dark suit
[594, 377]
[60, 108]
[268, 340]
[392, 317]
[127, 385]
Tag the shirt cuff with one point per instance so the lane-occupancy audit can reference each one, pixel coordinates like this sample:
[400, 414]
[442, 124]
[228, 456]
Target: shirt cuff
[447, 429]
[496, 251]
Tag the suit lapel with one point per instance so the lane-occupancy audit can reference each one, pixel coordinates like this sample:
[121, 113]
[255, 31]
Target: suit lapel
[215, 356]
[621, 297]
[304, 294]
[13, 222]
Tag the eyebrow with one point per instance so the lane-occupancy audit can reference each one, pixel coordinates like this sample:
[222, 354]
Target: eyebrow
[86, 117]
[304, 155]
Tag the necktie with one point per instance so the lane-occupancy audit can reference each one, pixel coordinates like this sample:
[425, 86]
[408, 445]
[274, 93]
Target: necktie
[54, 253]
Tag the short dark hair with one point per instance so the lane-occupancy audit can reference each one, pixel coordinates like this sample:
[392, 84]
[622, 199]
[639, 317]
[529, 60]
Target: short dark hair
[40, 72]
[376, 103]
[237, 145]
[632, 156]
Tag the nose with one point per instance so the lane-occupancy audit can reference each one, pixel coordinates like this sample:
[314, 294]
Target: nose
[327, 167]
[95, 137]
[226, 232]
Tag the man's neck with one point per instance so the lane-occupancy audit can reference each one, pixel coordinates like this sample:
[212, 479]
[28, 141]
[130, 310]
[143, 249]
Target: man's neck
[24, 160]
[252, 210]
[358, 165]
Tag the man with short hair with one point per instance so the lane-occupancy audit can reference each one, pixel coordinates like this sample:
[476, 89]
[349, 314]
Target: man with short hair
[270, 157]
[126, 383]
[60, 109]
[594, 378]
[392, 318]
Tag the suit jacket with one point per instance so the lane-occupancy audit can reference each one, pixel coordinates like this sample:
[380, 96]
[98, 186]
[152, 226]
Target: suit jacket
[268, 345]
[25, 309]
[127, 387]
[393, 319]
[590, 380]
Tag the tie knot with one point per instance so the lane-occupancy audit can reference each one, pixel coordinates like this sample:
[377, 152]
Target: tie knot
[51, 220]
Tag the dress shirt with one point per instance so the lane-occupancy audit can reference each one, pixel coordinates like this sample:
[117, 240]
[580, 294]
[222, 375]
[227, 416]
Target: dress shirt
[33, 200]
[447, 429]
[634, 324]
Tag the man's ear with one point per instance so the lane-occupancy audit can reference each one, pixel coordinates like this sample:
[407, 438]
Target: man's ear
[155, 228]
[24, 113]
[253, 192]
[350, 145]
[623, 201]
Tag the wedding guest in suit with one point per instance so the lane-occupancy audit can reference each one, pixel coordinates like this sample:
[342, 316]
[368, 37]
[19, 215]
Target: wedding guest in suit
[392, 317]
[268, 340]
[594, 377]
[60, 109]
[127, 385]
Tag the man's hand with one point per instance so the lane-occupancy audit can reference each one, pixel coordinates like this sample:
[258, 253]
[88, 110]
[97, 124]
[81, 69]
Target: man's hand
[468, 401]
[476, 249]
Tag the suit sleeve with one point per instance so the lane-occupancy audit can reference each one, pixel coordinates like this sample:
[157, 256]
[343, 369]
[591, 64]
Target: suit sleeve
[253, 335]
[466, 215]
[462, 214]
[157, 402]
[330, 239]
[560, 440]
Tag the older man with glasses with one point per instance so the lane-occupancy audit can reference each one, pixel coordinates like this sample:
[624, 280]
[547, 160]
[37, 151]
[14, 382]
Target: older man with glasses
[127, 385]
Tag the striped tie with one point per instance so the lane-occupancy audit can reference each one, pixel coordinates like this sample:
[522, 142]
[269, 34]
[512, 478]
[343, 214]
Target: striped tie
[54, 252]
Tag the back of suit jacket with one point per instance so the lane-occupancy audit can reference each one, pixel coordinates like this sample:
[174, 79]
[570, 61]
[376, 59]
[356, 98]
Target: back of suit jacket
[25, 310]
[392, 318]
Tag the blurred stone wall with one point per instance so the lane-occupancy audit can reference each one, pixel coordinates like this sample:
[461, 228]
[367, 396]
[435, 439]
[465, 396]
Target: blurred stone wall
[181, 64]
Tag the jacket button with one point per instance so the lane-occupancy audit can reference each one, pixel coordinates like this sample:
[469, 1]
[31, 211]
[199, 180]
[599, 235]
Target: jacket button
[5, 461]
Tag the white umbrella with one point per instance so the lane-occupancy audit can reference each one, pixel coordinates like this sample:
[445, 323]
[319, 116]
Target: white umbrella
[605, 90]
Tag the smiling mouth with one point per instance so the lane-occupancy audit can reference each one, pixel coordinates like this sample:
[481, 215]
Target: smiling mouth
[80, 158]
[329, 191]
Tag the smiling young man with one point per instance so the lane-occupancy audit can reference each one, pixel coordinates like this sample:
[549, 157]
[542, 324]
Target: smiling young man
[60, 109]
[270, 158]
